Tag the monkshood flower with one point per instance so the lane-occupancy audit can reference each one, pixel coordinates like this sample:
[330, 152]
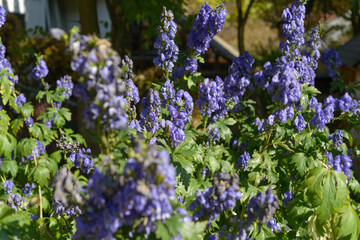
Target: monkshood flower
[27, 189]
[314, 44]
[37, 151]
[165, 44]
[29, 122]
[103, 71]
[151, 112]
[274, 226]
[40, 70]
[259, 124]
[346, 103]
[207, 24]
[60, 209]
[2, 16]
[8, 185]
[288, 197]
[293, 28]
[331, 60]
[142, 195]
[243, 161]
[66, 83]
[262, 207]
[214, 134]
[238, 80]
[299, 123]
[216, 199]
[211, 99]
[340, 163]
[263, 78]
[15, 201]
[4, 63]
[20, 100]
[81, 159]
[337, 138]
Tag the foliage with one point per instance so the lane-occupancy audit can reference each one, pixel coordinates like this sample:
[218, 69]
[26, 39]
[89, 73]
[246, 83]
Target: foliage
[285, 175]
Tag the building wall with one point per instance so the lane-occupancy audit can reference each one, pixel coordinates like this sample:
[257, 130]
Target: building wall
[54, 13]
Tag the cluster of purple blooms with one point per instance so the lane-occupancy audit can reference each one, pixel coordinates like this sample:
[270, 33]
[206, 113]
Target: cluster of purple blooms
[293, 28]
[81, 157]
[274, 226]
[8, 186]
[165, 44]
[331, 60]
[340, 163]
[103, 68]
[324, 112]
[15, 201]
[40, 70]
[214, 134]
[337, 138]
[37, 151]
[214, 200]
[207, 24]
[217, 98]
[243, 161]
[179, 104]
[2, 16]
[66, 188]
[288, 197]
[141, 195]
[27, 189]
[261, 207]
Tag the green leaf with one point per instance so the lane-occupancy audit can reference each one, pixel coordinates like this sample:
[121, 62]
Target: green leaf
[10, 166]
[302, 162]
[347, 224]
[213, 157]
[27, 110]
[16, 124]
[4, 122]
[42, 175]
[26, 146]
[187, 153]
[5, 88]
[224, 130]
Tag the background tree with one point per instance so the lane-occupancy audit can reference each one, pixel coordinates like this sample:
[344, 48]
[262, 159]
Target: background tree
[88, 17]
[243, 15]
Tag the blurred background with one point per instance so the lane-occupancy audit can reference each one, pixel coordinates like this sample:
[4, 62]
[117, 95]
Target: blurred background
[252, 25]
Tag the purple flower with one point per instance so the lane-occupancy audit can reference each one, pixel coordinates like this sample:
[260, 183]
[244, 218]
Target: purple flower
[300, 123]
[331, 60]
[20, 100]
[2, 16]
[40, 71]
[207, 24]
[288, 197]
[8, 185]
[27, 189]
[243, 161]
[214, 134]
[165, 45]
[337, 138]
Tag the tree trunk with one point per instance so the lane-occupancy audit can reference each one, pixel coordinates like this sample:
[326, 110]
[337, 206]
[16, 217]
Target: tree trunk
[355, 22]
[242, 18]
[241, 37]
[121, 35]
[88, 17]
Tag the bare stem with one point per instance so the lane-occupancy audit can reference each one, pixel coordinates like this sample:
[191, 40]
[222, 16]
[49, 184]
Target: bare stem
[41, 210]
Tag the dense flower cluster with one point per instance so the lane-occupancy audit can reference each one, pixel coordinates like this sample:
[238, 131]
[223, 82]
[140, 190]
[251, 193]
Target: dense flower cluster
[238, 80]
[206, 25]
[337, 138]
[340, 163]
[27, 189]
[212, 99]
[293, 28]
[216, 199]
[299, 123]
[8, 185]
[36, 152]
[104, 73]
[262, 207]
[288, 197]
[81, 157]
[214, 134]
[2, 16]
[165, 44]
[40, 70]
[331, 59]
[141, 195]
[243, 161]
[274, 226]
[15, 201]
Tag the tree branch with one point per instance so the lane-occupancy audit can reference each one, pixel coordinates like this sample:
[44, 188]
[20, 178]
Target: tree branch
[248, 10]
